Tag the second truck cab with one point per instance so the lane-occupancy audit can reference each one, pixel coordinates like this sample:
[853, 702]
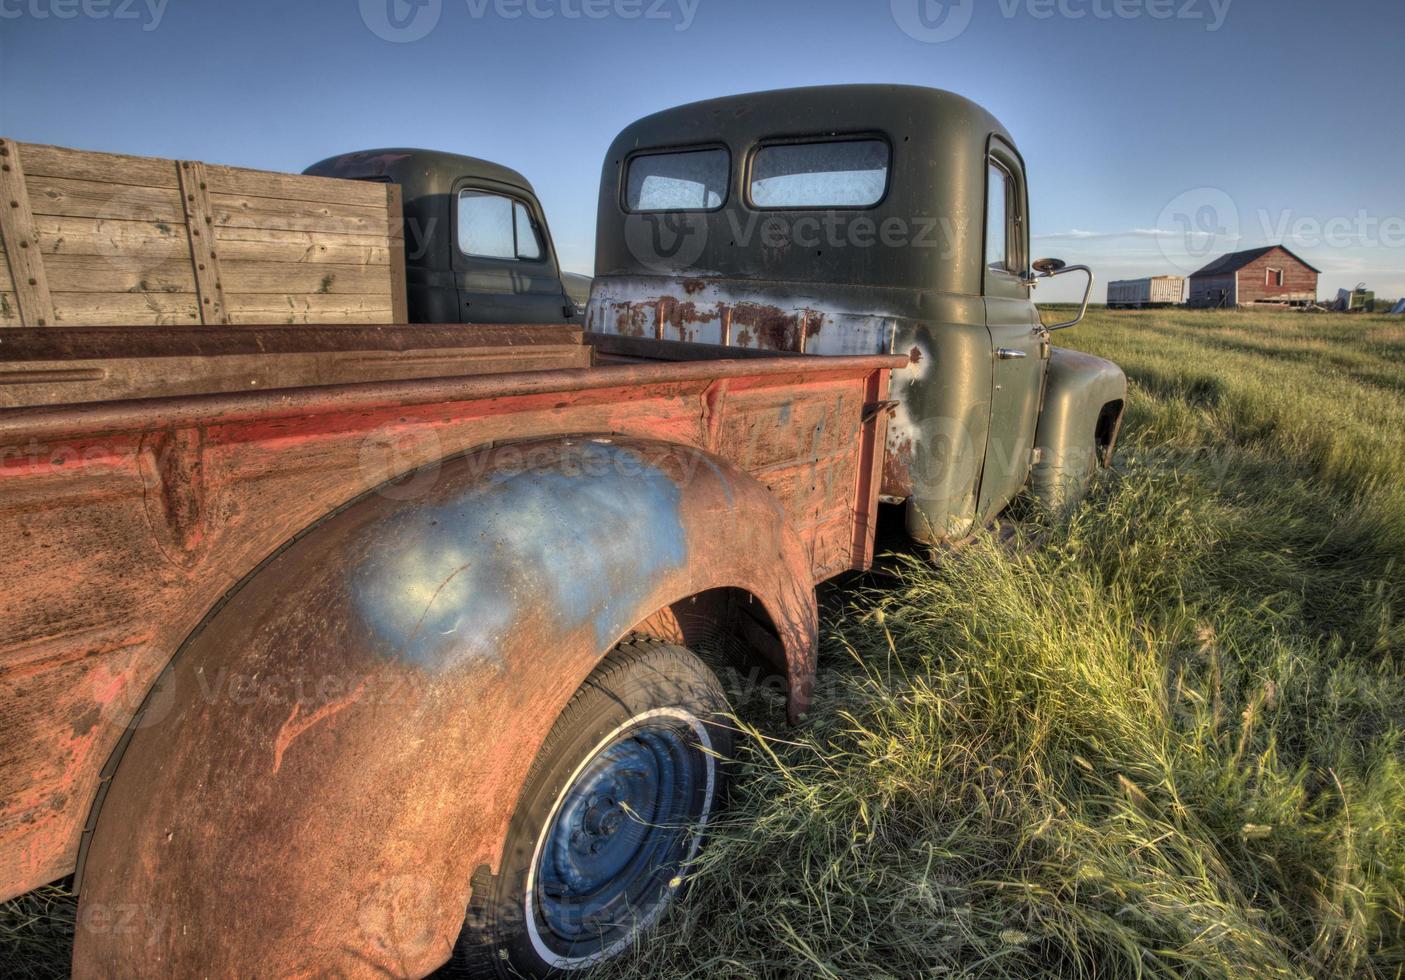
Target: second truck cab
[477, 245]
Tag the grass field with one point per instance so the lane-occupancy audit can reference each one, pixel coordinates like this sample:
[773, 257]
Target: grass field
[1165, 742]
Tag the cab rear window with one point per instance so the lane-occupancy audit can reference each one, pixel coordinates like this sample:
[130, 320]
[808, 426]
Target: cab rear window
[834, 174]
[688, 180]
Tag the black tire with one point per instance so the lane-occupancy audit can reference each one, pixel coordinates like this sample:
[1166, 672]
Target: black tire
[651, 705]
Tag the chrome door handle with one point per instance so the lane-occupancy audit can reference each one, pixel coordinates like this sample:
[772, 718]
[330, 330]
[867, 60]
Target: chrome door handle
[1008, 354]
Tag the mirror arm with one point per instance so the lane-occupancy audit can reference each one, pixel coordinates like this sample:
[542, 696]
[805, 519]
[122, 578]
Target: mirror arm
[1033, 282]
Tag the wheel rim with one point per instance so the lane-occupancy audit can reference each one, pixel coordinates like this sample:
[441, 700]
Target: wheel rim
[608, 861]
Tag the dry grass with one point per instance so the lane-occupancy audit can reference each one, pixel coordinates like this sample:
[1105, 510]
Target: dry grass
[1167, 743]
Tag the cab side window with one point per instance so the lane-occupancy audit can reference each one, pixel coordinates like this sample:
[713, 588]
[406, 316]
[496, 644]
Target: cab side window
[496, 227]
[1004, 233]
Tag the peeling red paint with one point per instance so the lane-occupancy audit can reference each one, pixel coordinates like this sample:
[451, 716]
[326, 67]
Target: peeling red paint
[897, 466]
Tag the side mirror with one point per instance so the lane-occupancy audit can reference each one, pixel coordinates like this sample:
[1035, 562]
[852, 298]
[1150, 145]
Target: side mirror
[1047, 269]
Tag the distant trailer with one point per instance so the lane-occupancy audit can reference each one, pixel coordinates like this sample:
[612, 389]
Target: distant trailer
[1135, 294]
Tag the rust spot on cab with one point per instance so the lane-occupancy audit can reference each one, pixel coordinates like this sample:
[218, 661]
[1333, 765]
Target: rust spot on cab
[772, 327]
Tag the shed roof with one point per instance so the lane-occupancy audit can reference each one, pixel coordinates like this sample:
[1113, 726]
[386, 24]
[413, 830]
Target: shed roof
[1235, 261]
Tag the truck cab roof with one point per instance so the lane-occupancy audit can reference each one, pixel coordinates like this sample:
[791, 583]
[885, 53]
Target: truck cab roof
[416, 170]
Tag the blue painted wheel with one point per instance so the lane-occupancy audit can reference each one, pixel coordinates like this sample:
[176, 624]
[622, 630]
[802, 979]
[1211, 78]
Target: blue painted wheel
[611, 854]
[609, 820]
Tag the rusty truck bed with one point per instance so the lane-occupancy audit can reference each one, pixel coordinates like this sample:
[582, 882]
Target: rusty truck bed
[144, 474]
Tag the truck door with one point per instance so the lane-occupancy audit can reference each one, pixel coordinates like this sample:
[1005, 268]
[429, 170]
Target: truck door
[503, 263]
[1019, 347]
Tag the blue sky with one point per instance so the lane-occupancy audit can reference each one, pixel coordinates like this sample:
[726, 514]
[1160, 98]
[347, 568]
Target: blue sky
[1157, 132]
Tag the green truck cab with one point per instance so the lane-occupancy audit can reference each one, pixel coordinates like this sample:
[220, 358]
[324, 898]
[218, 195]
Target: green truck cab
[864, 219]
[477, 245]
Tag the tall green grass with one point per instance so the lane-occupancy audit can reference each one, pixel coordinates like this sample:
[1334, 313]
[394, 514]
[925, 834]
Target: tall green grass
[1165, 741]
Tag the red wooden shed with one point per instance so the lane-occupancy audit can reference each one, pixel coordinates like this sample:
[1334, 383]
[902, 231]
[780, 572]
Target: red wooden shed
[1271, 274]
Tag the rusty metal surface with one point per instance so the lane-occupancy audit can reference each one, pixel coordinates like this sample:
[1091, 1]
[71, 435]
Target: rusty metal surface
[349, 732]
[746, 316]
[86, 343]
[58, 366]
[609, 380]
[126, 522]
[939, 438]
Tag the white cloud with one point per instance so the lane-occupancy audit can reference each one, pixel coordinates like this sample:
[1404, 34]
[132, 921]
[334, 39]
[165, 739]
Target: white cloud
[1081, 235]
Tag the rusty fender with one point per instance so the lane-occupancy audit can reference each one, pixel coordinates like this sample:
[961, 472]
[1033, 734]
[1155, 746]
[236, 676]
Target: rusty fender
[342, 743]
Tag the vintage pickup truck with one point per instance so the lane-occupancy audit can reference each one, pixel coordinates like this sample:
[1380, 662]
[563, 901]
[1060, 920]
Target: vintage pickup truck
[354, 650]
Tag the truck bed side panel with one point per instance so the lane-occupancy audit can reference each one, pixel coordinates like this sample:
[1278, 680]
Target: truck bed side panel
[126, 522]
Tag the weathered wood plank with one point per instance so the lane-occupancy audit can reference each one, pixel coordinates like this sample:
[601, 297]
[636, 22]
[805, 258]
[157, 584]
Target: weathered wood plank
[303, 302]
[232, 211]
[302, 308]
[72, 381]
[195, 197]
[58, 161]
[291, 317]
[18, 231]
[289, 187]
[68, 197]
[9, 310]
[255, 245]
[83, 236]
[319, 278]
[118, 274]
[399, 301]
[103, 309]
